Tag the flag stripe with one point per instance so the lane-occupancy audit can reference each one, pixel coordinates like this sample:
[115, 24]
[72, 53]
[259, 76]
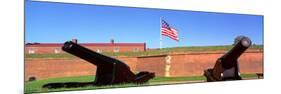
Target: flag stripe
[170, 35]
[168, 31]
[172, 30]
[165, 33]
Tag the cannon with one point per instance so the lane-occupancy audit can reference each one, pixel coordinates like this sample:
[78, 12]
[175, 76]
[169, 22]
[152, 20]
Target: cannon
[109, 70]
[226, 67]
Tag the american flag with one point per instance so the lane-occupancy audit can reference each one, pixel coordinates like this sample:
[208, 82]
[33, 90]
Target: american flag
[168, 31]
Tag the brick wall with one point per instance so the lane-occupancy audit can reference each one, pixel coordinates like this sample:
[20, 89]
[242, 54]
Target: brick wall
[152, 64]
[64, 67]
[191, 64]
[194, 64]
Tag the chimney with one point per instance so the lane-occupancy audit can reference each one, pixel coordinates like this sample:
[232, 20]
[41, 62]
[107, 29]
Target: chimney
[112, 41]
[74, 40]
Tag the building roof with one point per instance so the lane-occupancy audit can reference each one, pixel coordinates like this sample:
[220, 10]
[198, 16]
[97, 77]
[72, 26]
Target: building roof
[83, 44]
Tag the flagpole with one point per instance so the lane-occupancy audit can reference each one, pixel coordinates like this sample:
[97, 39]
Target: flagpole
[160, 44]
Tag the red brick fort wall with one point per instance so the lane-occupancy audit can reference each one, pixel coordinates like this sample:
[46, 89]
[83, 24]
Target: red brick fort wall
[181, 65]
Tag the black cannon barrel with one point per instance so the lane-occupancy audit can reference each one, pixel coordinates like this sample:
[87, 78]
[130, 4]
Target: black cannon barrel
[87, 54]
[241, 44]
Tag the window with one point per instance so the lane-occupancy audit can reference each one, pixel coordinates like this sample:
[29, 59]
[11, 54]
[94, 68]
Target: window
[136, 50]
[31, 51]
[57, 50]
[116, 49]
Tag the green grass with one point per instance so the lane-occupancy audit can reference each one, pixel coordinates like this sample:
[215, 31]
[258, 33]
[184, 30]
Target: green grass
[35, 86]
[148, 52]
[248, 75]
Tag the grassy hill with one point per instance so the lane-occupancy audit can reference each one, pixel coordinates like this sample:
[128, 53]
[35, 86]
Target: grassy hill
[150, 52]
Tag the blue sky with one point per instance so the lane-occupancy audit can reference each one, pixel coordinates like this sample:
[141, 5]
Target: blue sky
[58, 22]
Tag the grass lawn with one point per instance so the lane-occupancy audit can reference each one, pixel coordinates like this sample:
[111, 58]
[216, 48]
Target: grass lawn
[149, 52]
[35, 86]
